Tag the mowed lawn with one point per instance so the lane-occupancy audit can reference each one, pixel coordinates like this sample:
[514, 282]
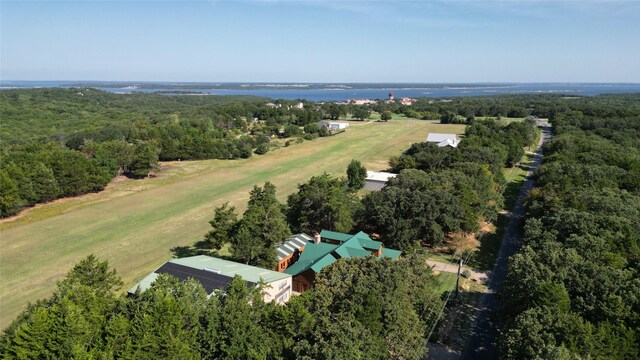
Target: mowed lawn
[134, 224]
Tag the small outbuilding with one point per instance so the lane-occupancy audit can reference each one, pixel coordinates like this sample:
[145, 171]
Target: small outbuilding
[443, 140]
[333, 125]
[376, 180]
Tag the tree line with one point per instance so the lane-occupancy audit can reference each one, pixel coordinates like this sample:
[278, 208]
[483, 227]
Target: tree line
[129, 133]
[573, 290]
[66, 142]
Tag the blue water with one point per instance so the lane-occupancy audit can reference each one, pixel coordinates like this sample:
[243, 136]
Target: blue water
[372, 91]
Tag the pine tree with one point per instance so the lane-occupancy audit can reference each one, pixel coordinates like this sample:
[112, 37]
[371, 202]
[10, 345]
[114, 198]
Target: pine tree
[261, 228]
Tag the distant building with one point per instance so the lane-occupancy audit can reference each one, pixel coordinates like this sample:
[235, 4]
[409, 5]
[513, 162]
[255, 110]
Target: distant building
[407, 101]
[443, 140]
[327, 248]
[391, 96]
[333, 125]
[376, 180]
[299, 105]
[216, 274]
[361, 101]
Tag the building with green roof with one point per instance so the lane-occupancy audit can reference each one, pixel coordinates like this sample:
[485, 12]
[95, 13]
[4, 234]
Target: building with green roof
[327, 248]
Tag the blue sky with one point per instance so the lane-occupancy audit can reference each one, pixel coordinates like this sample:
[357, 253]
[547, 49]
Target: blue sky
[321, 41]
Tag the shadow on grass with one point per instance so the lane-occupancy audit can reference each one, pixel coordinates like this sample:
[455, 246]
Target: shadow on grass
[199, 248]
[485, 257]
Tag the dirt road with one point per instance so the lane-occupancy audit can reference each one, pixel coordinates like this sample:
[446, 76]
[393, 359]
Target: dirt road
[481, 343]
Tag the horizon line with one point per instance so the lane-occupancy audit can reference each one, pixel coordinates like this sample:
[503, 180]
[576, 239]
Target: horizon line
[331, 82]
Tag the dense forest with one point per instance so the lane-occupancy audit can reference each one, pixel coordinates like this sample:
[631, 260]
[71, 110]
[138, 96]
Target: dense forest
[66, 142]
[573, 291]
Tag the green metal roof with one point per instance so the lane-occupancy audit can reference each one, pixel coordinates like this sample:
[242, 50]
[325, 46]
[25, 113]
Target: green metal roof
[366, 242]
[225, 268]
[231, 268]
[335, 235]
[317, 256]
[363, 238]
[393, 254]
[310, 255]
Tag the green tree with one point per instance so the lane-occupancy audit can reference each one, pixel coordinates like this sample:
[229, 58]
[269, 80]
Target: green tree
[323, 203]
[23, 181]
[10, 200]
[311, 128]
[262, 227]
[361, 113]
[166, 319]
[145, 159]
[44, 182]
[224, 224]
[262, 149]
[241, 334]
[335, 111]
[292, 130]
[386, 116]
[356, 174]
[369, 308]
[420, 207]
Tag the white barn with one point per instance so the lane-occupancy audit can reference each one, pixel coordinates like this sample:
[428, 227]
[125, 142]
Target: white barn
[443, 140]
[333, 126]
[376, 180]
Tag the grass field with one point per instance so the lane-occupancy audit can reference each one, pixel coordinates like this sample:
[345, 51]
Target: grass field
[134, 224]
[502, 120]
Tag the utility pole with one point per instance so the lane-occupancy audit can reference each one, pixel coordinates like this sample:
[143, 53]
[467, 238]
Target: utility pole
[458, 277]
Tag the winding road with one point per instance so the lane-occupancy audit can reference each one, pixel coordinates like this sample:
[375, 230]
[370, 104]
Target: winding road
[483, 336]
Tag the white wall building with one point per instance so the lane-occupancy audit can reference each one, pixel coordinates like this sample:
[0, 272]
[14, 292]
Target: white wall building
[443, 139]
[216, 274]
[376, 180]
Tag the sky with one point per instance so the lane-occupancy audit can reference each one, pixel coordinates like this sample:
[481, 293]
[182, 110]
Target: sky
[321, 41]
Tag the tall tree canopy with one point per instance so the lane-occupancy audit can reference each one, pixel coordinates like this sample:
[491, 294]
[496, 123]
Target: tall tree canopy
[322, 203]
[356, 174]
[262, 227]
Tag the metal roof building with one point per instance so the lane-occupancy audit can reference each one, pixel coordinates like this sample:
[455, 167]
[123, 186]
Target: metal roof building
[216, 274]
[376, 180]
[293, 243]
[443, 139]
[334, 246]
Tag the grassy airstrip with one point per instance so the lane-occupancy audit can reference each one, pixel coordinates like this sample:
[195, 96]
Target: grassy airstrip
[135, 223]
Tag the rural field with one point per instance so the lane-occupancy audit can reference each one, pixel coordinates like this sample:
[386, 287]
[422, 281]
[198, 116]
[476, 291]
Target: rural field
[135, 223]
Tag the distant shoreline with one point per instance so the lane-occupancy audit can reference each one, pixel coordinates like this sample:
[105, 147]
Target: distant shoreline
[335, 91]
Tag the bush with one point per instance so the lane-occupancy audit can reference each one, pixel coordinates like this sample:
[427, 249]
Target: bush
[262, 149]
[292, 130]
[310, 136]
[311, 128]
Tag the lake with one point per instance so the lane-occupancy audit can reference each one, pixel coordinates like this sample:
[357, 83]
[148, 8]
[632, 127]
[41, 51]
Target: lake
[338, 91]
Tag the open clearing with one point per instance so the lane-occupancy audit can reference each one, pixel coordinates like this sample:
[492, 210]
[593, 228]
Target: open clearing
[134, 224]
